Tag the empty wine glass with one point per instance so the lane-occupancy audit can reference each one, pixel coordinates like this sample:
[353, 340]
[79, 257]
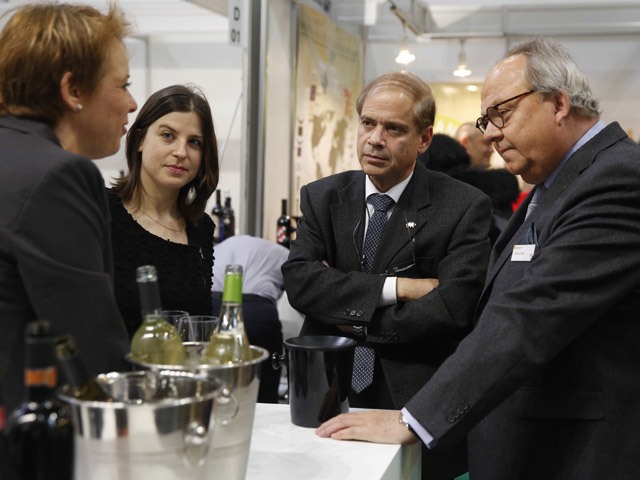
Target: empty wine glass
[195, 331]
[172, 316]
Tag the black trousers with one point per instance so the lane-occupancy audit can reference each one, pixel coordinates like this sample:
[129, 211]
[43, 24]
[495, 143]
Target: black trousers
[263, 327]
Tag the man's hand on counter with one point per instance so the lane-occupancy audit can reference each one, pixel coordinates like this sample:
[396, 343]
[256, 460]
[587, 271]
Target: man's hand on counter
[378, 426]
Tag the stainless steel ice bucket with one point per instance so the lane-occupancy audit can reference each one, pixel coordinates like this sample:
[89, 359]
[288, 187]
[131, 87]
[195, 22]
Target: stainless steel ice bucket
[159, 427]
[229, 454]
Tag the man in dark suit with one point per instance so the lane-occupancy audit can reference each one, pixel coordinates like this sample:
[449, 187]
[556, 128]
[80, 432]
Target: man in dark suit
[549, 375]
[416, 301]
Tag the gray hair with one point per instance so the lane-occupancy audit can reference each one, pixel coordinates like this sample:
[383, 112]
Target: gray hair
[550, 69]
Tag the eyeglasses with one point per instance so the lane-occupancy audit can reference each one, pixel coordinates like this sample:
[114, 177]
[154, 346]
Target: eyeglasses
[396, 270]
[494, 115]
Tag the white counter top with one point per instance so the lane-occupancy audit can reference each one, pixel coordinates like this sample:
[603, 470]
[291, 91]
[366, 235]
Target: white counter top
[283, 451]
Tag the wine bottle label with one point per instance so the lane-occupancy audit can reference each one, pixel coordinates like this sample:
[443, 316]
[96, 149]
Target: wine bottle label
[42, 376]
[281, 234]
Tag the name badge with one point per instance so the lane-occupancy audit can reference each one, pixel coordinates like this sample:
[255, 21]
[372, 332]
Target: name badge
[522, 253]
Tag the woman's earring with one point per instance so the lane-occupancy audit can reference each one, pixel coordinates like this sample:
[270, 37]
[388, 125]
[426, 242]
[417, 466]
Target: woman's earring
[78, 107]
[191, 195]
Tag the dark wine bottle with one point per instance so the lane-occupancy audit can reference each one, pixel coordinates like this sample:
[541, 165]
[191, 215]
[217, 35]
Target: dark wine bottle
[216, 215]
[283, 229]
[83, 386]
[6, 470]
[228, 220]
[39, 433]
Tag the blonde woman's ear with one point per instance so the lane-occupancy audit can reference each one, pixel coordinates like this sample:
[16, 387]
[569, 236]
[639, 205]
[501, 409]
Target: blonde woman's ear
[70, 93]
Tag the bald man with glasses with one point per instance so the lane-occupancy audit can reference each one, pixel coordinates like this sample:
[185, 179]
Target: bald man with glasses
[408, 294]
[546, 385]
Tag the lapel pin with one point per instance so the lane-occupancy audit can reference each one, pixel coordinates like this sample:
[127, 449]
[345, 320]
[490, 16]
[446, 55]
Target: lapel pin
[411, 224]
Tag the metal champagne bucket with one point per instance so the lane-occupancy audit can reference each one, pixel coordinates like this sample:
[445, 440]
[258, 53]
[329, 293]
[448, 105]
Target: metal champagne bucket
[235, 408]
[159, 427]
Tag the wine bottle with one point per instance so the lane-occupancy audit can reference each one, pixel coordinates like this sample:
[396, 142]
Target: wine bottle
[83, 385]
[39, 432]
[283, 230]
[229, 343]
[216, 215]
[228, 220]
[155, 341]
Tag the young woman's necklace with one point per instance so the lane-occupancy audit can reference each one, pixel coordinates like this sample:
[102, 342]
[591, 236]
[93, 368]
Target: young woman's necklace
[177, 230]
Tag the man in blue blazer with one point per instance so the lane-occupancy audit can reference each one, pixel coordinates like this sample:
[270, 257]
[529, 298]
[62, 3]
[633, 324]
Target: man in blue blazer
[546, 384]
[417, 300]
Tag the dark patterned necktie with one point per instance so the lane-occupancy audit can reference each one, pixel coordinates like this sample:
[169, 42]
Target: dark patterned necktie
[364, 356]
[535, 199]
[530, 237]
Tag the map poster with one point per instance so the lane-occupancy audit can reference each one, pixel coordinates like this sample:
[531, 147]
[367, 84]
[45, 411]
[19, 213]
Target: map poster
[328, 82]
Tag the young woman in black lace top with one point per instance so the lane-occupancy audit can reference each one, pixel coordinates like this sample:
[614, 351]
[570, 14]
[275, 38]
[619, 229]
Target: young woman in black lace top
[158, 208]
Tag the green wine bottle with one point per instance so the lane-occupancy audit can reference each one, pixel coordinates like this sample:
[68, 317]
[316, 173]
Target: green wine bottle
[229, 343]
[156, 341]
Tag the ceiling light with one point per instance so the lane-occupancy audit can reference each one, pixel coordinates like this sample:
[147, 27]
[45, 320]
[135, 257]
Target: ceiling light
[462, 70]
[405, 57]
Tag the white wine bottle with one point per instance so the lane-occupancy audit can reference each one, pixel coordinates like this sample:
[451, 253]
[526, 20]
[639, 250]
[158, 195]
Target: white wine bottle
[156, 341]
[229, 343]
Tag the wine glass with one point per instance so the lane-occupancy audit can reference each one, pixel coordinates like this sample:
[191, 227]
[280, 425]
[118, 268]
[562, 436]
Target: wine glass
[172, 316]
[196, 329]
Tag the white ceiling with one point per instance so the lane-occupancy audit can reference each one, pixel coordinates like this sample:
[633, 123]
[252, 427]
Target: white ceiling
[604, 36]
[488, 28]
[154, 17]
[443, 19]
[432, 20]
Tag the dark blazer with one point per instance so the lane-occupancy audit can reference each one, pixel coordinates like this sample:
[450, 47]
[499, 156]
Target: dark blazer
[411, 339]
[55, 252]
[551, 368]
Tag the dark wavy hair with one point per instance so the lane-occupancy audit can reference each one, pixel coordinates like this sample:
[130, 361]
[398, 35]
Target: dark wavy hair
[175, 98]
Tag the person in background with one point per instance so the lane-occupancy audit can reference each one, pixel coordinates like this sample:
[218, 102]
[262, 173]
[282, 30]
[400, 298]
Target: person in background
[64, 101]
[158, 208]
[445, 155]
[411, 302]
[479, 148]
[546, 385]
[501, 186]
[262, 287]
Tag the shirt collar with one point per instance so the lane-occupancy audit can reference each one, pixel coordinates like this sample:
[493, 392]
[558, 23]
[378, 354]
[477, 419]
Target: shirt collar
[394, 192]
[592, 132]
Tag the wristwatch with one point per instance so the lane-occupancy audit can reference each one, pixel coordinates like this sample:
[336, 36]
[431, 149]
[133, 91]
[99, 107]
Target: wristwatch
[403, 422]
[359, 331]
